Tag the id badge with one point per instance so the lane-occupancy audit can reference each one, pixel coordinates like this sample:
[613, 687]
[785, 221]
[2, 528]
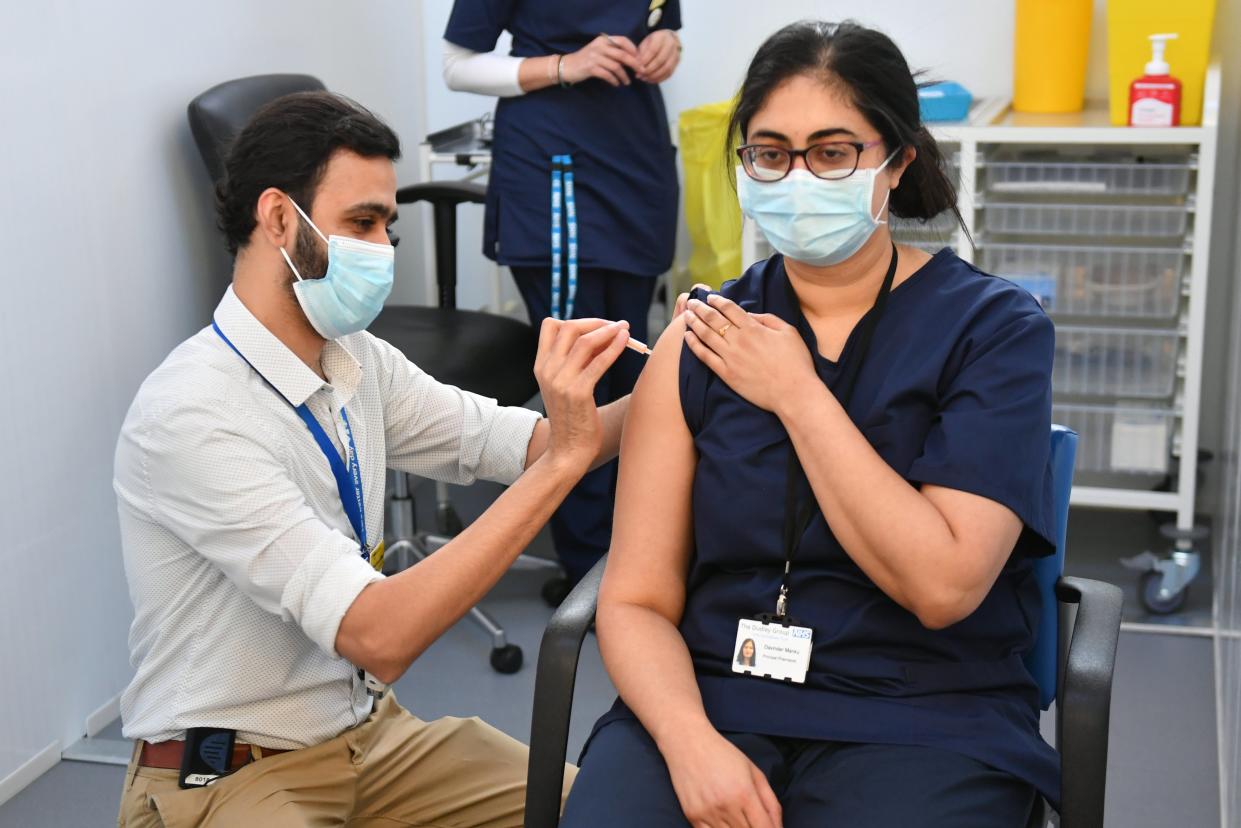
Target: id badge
[772, 650]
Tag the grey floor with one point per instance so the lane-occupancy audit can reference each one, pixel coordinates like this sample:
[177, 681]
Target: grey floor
[1098, 539]
[1162, 754]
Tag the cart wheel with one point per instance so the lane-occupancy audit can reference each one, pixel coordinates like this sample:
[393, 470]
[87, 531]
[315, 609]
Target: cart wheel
[448, 522]
[1148, 591]
[506, 659]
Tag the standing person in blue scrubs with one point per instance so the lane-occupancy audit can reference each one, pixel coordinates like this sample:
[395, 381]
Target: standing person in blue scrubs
[843, 459]
[580, 121]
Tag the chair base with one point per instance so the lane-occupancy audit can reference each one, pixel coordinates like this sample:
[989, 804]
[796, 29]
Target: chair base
[422, 546]
[410, 546]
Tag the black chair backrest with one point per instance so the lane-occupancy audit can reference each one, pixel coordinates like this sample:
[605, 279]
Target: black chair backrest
[217, 115]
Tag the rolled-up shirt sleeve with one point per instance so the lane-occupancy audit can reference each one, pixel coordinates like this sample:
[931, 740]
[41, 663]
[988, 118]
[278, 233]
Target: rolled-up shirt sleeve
[442, 432]
[212, 477]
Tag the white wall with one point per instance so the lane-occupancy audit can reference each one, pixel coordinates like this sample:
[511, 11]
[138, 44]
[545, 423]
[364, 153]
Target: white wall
[111, 259]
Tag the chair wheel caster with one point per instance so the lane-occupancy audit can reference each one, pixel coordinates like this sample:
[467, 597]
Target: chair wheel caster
[555, 590]
[506, 659]
[1148, 592]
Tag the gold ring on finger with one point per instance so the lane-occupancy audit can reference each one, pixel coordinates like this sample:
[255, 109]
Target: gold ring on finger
[724, 329]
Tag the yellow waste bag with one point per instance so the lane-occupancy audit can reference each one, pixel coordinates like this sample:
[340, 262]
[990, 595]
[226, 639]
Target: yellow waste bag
[711, 210]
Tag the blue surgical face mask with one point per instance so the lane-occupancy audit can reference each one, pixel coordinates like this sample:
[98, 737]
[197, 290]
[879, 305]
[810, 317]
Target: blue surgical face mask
[813, 220]
[352, 292]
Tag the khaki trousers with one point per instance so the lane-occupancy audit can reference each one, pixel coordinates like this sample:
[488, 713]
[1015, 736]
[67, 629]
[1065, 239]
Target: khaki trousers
[393, 769]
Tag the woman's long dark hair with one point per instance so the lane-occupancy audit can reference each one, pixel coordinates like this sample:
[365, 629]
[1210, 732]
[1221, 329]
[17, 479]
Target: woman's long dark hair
[753, 652]
[871, 70]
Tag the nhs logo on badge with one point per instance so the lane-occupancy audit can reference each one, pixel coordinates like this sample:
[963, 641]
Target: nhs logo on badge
[800, 632]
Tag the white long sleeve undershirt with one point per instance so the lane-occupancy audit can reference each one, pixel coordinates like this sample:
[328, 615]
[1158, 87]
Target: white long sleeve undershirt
[483, 73]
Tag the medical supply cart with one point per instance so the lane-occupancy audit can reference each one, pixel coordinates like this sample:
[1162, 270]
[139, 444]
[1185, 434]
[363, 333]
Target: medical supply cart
[1109, 227]
[464, 149]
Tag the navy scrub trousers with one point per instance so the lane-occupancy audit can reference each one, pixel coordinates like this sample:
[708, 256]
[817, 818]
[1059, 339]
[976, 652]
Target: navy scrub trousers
[626, 192]
[582, 526]
[819, 784]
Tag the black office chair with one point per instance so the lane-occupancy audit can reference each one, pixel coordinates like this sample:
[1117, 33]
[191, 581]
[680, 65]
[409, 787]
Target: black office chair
[480, 352]
[1071, 661]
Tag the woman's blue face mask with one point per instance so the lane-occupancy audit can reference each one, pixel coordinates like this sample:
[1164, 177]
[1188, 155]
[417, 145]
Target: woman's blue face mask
[816, 221]
[352, 292]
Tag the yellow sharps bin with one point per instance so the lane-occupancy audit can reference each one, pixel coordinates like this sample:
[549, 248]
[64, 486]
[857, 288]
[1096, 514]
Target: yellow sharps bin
[1049, 55]
[1129, 25]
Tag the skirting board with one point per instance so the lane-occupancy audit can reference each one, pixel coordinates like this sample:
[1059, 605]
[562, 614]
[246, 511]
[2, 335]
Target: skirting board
[35, 767]
[107, 713]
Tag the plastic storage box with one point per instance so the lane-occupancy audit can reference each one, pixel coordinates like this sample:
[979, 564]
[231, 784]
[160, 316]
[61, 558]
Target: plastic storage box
[1114, 362]
[1118, 220]
[1133, 282]
[947, 101]
[942, 226]
[1119, 438]
[1004, 176]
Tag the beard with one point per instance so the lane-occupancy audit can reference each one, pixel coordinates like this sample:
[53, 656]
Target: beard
[308, 257]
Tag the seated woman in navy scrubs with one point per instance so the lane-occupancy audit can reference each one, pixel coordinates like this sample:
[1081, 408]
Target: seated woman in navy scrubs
[851, 441]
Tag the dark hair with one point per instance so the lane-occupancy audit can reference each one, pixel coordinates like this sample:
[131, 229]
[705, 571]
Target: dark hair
[871, 70]
[741, 652]
[287, 145]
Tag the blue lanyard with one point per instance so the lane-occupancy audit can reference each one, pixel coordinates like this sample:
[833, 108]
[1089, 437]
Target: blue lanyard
[562, 191]
[347, 479]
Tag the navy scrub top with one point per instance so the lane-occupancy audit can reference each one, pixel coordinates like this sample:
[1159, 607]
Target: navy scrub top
[624, 163]
[956, 391]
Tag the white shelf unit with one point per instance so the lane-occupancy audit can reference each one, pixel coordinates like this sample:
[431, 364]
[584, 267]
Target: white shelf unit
[1110, 227]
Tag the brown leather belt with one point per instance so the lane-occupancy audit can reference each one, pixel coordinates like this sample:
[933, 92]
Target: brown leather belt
[167, 755]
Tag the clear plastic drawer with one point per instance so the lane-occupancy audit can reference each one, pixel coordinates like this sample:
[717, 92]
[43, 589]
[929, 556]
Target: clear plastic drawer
[1143, 282]
[1005, 176]
[1119, 439]
[931, 246]
[942, 226]
[1131, 220]
[1118, 362]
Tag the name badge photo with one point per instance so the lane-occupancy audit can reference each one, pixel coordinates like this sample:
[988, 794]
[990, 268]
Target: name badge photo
[772, 651]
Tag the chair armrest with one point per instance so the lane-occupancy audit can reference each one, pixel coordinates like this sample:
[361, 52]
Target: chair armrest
[443, 192]
[553, 698]
[1084, 704]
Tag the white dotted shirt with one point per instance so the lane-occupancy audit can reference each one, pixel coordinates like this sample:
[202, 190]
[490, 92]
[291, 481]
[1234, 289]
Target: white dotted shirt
[240, 559]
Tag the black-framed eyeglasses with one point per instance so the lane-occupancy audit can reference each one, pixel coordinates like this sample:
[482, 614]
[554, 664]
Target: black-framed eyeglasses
[832, 160]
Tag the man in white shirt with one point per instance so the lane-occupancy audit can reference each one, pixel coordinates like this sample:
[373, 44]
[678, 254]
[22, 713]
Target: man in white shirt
[250, 478]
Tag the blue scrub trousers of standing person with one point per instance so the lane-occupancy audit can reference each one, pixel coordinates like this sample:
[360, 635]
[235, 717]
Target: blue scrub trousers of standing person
[582, 526]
